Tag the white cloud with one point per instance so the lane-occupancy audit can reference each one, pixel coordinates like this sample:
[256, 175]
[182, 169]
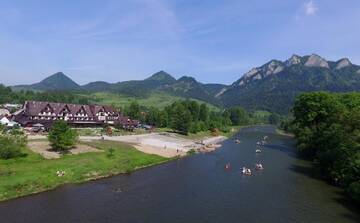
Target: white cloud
[310, 8]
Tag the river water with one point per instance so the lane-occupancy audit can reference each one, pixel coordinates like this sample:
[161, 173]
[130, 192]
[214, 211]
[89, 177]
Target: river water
[198, 189]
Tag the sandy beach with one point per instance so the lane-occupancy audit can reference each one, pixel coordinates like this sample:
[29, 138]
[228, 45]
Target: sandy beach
[162, 144]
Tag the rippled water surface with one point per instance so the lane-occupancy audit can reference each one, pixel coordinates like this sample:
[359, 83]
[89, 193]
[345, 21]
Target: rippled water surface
[198, 189]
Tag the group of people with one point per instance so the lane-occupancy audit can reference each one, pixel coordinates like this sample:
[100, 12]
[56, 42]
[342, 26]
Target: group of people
[246, 171]
[260, 143]
[258, 166]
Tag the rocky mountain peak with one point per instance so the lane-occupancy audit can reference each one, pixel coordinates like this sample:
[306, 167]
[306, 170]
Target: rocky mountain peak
[251, 73]
[293, 60]
[316, 61]
[273, 67]
[343, 63]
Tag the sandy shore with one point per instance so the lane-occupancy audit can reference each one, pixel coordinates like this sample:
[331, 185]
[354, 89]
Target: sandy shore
[162, 144]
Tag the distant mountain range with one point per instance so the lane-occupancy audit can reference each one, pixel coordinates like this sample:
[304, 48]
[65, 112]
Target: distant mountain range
[272, 86]
[57, 81]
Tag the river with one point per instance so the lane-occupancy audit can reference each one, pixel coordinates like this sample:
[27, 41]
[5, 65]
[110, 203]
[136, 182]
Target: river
[198, 189]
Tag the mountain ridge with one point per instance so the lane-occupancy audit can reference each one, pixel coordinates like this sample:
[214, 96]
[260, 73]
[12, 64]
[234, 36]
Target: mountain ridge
[271, 86]
[274, 85]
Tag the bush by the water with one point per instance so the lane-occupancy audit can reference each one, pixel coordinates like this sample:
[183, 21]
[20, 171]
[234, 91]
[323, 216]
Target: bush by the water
[62, 137]
[327, 128]
[11, 146]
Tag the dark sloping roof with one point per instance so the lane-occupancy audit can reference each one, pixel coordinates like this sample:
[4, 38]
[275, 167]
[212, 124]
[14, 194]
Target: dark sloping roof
[33, 108]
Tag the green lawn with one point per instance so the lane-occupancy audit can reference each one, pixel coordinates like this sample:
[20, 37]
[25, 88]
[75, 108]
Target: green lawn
[32, 174]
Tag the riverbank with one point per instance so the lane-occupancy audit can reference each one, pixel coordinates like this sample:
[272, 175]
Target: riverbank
[164, 144]
[284, 133]
[33, 173]
[183, 188]
[104, 156]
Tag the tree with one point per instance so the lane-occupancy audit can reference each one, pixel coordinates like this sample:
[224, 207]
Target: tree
[133, 111]
[203, 112]
[163, 119]
[194, 127]
[238, 116]
[327, 128]
[194, 109]
[274, 119]
[62, 137]
[153, 117]
[313, 114]
[180, 118]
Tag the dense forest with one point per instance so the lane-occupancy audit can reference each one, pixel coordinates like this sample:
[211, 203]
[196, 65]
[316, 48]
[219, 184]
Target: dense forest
[9, 96]
[188, 116]
[327, 128]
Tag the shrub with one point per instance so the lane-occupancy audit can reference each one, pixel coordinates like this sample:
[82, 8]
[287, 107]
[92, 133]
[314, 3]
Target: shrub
[215, 132]
[16, 131]
[62, 137]
[11, 146]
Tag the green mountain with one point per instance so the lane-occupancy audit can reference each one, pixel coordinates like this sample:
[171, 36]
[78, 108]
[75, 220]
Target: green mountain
[185, 87]
[136, 88]
[188, 87]
[58, 81]
[214, 89]
[97, 86]
[274, 85]
[271, 87]
[162, 77]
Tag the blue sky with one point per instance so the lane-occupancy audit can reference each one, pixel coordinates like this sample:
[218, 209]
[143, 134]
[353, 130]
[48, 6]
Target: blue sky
[212, 40]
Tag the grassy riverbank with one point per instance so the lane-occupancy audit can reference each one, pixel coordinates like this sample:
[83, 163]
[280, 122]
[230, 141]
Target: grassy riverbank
[282, 132]
[204, 134]
[33, 174]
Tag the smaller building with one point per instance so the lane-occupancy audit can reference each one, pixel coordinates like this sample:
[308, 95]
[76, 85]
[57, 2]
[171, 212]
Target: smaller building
[4, 120]
[4, 112]
[11, 107]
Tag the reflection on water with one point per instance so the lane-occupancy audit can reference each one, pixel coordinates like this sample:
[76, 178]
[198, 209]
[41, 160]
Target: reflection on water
[198, 189]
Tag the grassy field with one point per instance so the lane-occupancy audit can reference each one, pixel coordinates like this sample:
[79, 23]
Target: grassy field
[157, 99]
[32, 174]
